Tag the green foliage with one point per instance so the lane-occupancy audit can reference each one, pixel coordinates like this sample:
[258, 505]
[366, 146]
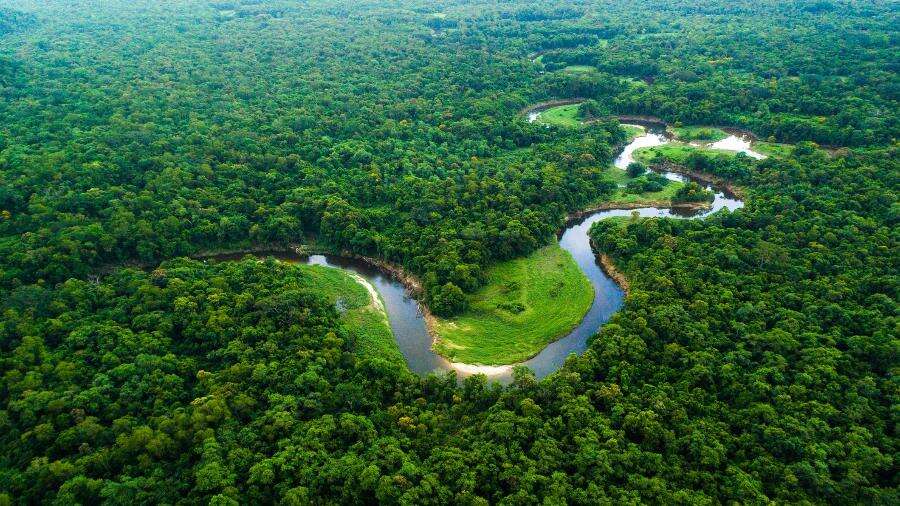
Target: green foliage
[755, 358]
[447, 300]
[144, 372]
[705, 134]
[649, 182]
[692, 192]
[636, 169]
[719, 306]
[590, 109]
[567, 116]
[13, 20]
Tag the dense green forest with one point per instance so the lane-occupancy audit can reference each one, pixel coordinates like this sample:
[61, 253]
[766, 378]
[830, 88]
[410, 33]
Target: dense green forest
[755, 358]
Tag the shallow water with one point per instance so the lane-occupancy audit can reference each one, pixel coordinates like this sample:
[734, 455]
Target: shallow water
[737, 144]
[651, 138]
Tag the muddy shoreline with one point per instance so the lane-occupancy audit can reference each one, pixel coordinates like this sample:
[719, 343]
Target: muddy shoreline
[609, 268]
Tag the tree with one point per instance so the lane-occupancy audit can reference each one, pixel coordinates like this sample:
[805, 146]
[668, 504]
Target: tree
[449, 299]
[636, 169]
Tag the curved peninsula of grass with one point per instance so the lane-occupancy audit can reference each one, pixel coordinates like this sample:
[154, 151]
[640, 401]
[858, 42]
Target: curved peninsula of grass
[526, 304]
[561, 115]
[362, 310]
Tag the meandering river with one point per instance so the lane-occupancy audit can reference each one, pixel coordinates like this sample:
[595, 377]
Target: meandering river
[408, 323]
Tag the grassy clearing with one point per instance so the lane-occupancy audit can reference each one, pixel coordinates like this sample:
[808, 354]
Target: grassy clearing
[563, 115]
[365, 320]
[635, 83]
[773, 149]
[696, 133]
[621, 178]
[649, 198]
[580, 69]
[678, 152]
[527, 303]
[673, 151]
[616, 175]
[633, 131]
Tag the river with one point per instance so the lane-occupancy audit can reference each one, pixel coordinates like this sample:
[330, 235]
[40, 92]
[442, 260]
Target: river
[408, 323]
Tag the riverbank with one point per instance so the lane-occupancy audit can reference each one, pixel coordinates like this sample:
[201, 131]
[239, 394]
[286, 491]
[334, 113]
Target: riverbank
[609, 268]
[613, 206]
[361, 307]
[418, 332]
[701, 177]
[360, 304]
[547, 104]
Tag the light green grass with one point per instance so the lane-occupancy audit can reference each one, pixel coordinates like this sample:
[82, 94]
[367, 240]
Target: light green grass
[620, 177]
[580, 69]
[616, 175]
[773, 149]
[697, 133]
[563, 115]
[366, 321]
[635, 83]
[663, 196]
[673, 151]
[677, 152]
[554, 296]
[633, 131]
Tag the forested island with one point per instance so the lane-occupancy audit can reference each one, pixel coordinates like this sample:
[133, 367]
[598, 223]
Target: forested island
[171, 172]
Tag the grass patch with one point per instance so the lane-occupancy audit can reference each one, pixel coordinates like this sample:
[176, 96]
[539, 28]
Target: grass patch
[580, 69]
[563, 115]
[635, 83]
[620, 177]
[616, 175]
[679, 152]
[673, 151]
[773, 149]
[526, 304]
[633, 131]
[367, 322]
[649, 198]
[696, 133]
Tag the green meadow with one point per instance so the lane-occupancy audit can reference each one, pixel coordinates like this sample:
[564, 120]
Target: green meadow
[527, 303]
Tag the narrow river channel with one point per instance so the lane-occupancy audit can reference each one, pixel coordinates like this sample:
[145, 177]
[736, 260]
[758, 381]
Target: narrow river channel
[408, 323]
